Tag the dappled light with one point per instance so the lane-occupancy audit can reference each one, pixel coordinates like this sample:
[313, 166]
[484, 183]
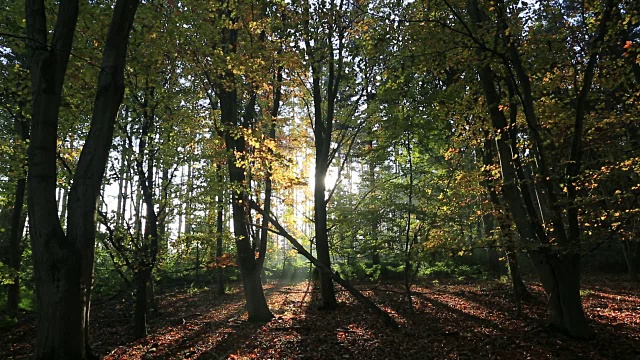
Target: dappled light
[335, 179]
[453, 320]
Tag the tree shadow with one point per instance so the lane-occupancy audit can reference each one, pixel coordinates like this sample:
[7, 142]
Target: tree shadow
[202, 325]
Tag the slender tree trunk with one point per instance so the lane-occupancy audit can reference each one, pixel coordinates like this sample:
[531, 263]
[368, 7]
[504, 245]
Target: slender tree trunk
[327, 292]
[64, 201]
[408, 242]
[324, 269]
[631, 251]
[268, 187]
[220, 285]
[513, 265]
[519, 289]
[326, 72]
[559, 265]
[163, 236]
[141, 301]
[121, 191]
[152, 299]
[181, 200]
[15, 243]
[150, 239]
[563, 289]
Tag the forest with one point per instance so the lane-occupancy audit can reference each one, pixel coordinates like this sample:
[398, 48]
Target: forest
[319, 179]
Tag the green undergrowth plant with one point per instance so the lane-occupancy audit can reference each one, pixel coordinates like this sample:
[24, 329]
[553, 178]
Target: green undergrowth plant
[451, 269]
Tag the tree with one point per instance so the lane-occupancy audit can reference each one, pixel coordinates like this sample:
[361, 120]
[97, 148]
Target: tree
[236, 90]
[559, 269]
[63, 262]
[14, 98]
[325, 34]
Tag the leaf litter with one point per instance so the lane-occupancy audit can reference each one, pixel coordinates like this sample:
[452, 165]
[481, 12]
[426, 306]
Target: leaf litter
[453, 320]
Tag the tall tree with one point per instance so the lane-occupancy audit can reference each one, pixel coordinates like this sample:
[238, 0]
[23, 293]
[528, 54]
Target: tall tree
[559, 269]
[325, 27]
[63, 262]
[236, 90]
[13, 112]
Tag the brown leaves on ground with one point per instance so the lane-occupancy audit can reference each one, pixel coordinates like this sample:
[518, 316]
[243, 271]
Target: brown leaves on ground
[449, 321]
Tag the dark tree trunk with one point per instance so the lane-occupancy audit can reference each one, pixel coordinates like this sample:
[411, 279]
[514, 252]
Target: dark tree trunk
[504, 222]
[324, 269]
[141, 304]
[631, 251]
[493, 261]
[152, 299]
[220, 285]
[149, 244]
[326, 64]
[408, 244]
[63, 263]
[15, 247]
[513, 265]
[18, 218]
[227, 91]
[493, 256]
[268, 187]
[256, 302]
[557, 262]
[327, 293]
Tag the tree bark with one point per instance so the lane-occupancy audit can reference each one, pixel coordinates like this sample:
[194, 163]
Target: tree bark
[322, 131]
[18, 219]
[149, 243]
[236, 146]
[256, 302]
[504, 224]
[327, 293]
[268, 187]
[63, 263]
[141, 304]
[631, 251]
[563, 288]
[220, 285]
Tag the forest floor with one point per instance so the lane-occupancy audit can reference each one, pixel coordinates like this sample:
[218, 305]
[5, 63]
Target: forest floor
[449, 321]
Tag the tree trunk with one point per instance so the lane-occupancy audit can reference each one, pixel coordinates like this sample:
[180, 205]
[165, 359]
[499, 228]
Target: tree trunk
[327, 270]
[326, 71]
[152, 299]
[408, 244]
[61, 308]
[519, 288]
[15, 247]
[149, 243]
[64, 202]
[493, 257]
[256, 303]
[268, 187]
[564, 293]
[327, 293]
[121, 202]
[631, 251]
[141, 310]
[556, 254]
[493, 260]
[63, 264]
[220, 286]
[504, 222]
